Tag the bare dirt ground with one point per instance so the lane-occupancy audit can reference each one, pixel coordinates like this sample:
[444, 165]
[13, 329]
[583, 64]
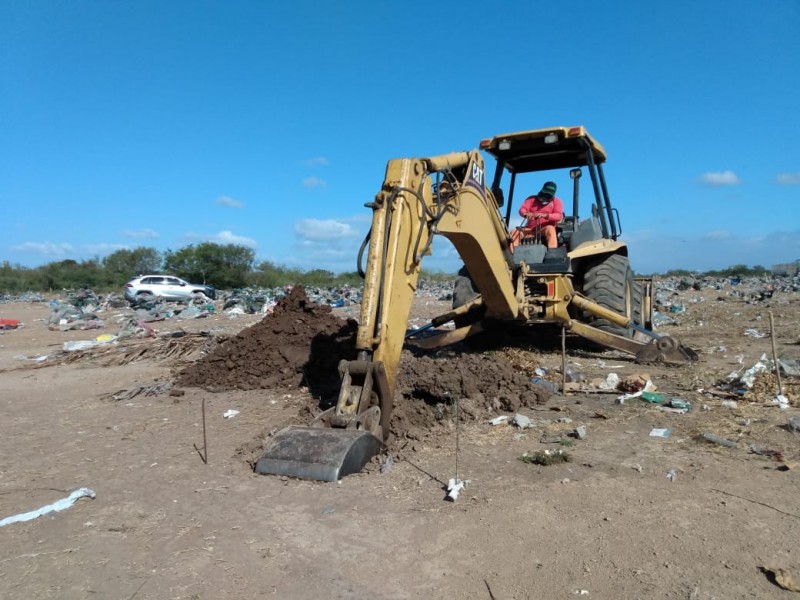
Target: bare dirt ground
[610, 523]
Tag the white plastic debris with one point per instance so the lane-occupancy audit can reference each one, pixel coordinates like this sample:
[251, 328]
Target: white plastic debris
[230, 413]
[54, 507]
[611, 382]
[454, 487]
[749, 376]
[656, 432]
[730, 403]
[498, 420]
[781, 401]
[754, 333]
[521, 421]
[671, 475]
[387, 464]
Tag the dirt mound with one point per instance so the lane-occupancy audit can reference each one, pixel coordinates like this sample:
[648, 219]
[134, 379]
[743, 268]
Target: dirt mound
[300, 343]
[427, 387]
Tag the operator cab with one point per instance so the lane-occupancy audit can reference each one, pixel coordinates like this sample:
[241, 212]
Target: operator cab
[528, 158]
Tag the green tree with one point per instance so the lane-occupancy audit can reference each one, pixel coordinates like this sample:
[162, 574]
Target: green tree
[124, 264]
[223, 266]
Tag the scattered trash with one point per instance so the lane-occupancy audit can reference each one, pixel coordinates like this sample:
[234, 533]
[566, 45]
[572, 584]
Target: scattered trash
[671, 475]
[663, 433]
[790, 367]
[498, 420]
[715, 439]
[754, 333]
[653, 397]
[230, 413]
[521, 421]
[454, 487]
[780, 401]
[8, 324]
[548, 385]
[680, 404]
[781, 577]
[730, 403]
[546, 457]
[154, 389]
[574, 375]
[580, 432]
[54, 507]
[77, 345]
[637, 383]
[775, 454]
[611, 382]
[387, 464]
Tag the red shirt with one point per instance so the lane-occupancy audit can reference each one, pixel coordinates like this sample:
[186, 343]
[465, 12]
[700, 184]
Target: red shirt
[553, 209]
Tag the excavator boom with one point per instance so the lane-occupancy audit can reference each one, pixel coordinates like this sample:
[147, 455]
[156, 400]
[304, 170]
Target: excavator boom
[419, 197]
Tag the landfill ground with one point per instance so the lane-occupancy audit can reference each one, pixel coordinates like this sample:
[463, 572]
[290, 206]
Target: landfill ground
[629, 515]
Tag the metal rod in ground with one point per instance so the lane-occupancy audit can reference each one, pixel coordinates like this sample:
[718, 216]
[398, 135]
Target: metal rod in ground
[563, 360]
[204, 454]
[457, 430]
[775, 352]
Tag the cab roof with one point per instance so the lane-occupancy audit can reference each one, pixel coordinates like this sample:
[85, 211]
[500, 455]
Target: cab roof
[544, 149]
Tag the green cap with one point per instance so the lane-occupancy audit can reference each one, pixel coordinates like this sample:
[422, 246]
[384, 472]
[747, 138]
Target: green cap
[548, 190]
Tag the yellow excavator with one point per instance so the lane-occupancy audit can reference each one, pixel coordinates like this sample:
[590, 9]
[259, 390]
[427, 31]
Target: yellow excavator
[585, 284]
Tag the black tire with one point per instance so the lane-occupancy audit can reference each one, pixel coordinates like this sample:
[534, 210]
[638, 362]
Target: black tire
[610, 284]
[638, 304]
[464, 288]
[493, 333]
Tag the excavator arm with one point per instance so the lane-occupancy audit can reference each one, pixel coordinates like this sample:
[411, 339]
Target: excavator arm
[419, 197]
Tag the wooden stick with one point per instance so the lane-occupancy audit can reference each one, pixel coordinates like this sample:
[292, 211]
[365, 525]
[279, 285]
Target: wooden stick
[775, 352]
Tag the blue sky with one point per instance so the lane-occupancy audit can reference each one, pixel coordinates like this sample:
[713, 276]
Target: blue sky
[269, 124]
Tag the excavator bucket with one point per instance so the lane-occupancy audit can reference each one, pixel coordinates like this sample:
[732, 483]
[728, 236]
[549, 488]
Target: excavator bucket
[668, 350]
[318, 453]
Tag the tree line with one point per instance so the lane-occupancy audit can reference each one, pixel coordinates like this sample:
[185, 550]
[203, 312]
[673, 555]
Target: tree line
[225, 266]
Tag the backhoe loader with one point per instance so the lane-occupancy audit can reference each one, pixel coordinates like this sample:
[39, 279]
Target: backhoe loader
[584, 285]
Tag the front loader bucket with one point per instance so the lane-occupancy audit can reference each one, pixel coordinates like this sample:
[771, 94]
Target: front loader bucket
[318, 453]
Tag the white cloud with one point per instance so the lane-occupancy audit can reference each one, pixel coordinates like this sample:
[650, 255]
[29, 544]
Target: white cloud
[318, 230]
[721, 178]
[788, 178]
[313, 182]
[226, 201]
[140, 233]
[101, 248]
[48, 249]
[317, 161]
[223, 237]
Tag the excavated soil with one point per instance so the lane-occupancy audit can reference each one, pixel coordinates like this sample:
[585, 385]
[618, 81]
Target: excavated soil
[301, 344]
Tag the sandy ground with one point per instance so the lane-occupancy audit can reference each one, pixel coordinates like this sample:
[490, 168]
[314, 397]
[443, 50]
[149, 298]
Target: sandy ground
[608, 524]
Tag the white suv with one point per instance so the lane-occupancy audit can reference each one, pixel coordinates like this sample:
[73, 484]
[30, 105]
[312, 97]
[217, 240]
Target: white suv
[166, 287]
